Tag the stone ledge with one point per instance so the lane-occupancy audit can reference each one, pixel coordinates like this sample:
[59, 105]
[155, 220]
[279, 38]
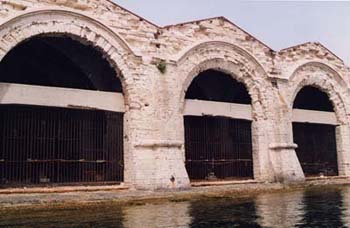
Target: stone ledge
[280, 146]
[219, 183]
[63, 189]
[160, 143]
[45, 200]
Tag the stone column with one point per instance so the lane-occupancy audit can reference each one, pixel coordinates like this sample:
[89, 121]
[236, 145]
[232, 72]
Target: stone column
[262, 166]
[155, 157]
[343, 149]
[282, 147]
[152, 160]
[160, 165]
[286, 163]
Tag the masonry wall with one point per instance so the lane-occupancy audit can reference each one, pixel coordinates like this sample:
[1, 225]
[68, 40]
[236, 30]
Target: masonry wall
[154, 100]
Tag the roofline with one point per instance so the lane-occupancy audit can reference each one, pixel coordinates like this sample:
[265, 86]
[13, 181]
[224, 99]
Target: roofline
[132, 13]
[315, 43]
[227, 20]
[213, 18]
[295, 46]
[189, 22]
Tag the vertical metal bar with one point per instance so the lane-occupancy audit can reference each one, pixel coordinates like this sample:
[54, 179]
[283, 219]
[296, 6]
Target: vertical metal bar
[41, 144]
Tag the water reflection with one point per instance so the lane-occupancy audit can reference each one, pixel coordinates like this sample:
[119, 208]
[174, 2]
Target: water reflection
[223, 213]
[323, 209]
[280, 210]
[164, 215]
[346, 207]
[72, 217]
[318, 208]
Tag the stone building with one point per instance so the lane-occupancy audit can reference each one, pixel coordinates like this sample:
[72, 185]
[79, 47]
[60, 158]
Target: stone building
[92, 93]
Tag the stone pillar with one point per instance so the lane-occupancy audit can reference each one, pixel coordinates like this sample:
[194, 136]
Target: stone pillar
[154, 157]
[343, 149]
[153, 163]
[261, 159]
[160, 165]
[286, 163]
[282, 147]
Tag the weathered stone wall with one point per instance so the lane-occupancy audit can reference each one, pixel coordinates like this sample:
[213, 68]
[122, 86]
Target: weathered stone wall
[154, 101]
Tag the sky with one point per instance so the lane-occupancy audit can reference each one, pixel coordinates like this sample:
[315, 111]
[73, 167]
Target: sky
[279, 24]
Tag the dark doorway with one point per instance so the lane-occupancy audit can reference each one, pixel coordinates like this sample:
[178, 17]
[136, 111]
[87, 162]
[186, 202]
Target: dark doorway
[47, 145]
[42, 145]
[218, 147]
[317, 151]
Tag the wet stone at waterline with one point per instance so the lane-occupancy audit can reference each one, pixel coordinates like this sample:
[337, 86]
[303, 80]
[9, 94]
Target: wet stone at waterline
[326, 207]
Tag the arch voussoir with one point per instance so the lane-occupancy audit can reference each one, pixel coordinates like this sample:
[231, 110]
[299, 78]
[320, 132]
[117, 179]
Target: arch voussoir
[77, 26]
[236, 62]
[325, 79]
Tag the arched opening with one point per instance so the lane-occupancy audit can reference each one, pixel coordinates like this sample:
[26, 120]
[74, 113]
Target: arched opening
[314, 132]
[54, 125]
[218, 140]
[58, 61]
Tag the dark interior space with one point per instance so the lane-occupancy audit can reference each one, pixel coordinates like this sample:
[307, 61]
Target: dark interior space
[213, 85]
[311, 98]
[218, 148]
[44, 145]
[60, 62]
[47, 145]
[316, 150]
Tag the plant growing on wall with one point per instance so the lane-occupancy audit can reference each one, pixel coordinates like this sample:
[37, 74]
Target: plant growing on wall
[161, 66]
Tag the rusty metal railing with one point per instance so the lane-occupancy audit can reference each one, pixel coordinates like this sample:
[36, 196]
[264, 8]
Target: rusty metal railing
[218, 148]
[44, 145]
[317, 151]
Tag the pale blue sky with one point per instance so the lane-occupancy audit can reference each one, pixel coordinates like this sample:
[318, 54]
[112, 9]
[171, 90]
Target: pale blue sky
[278, 24]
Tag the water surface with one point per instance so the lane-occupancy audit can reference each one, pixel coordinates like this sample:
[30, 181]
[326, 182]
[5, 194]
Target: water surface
[326, 207]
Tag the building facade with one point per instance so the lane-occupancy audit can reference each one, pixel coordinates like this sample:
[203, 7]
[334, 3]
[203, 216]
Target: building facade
[202, 100]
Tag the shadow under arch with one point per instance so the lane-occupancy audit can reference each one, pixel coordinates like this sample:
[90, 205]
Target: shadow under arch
[80, 27]
[58, 23]
[217, 147]
[258, 98]
[57, 60]
[244, 68]
[324, 78]
[328, 82]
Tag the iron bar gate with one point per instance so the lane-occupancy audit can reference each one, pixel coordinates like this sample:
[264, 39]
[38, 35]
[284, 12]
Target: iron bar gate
[218, 147]
[44, 145]
[317, 150]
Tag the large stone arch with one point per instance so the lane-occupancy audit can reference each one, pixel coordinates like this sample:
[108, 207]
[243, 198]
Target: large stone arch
[86, 30]
[243, 67]
[76, 25]
[328, 80]
[229, 59]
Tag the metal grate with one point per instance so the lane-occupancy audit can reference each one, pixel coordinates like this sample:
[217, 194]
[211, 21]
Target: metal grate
[316, 150]
[43, 145]
[218, 148]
